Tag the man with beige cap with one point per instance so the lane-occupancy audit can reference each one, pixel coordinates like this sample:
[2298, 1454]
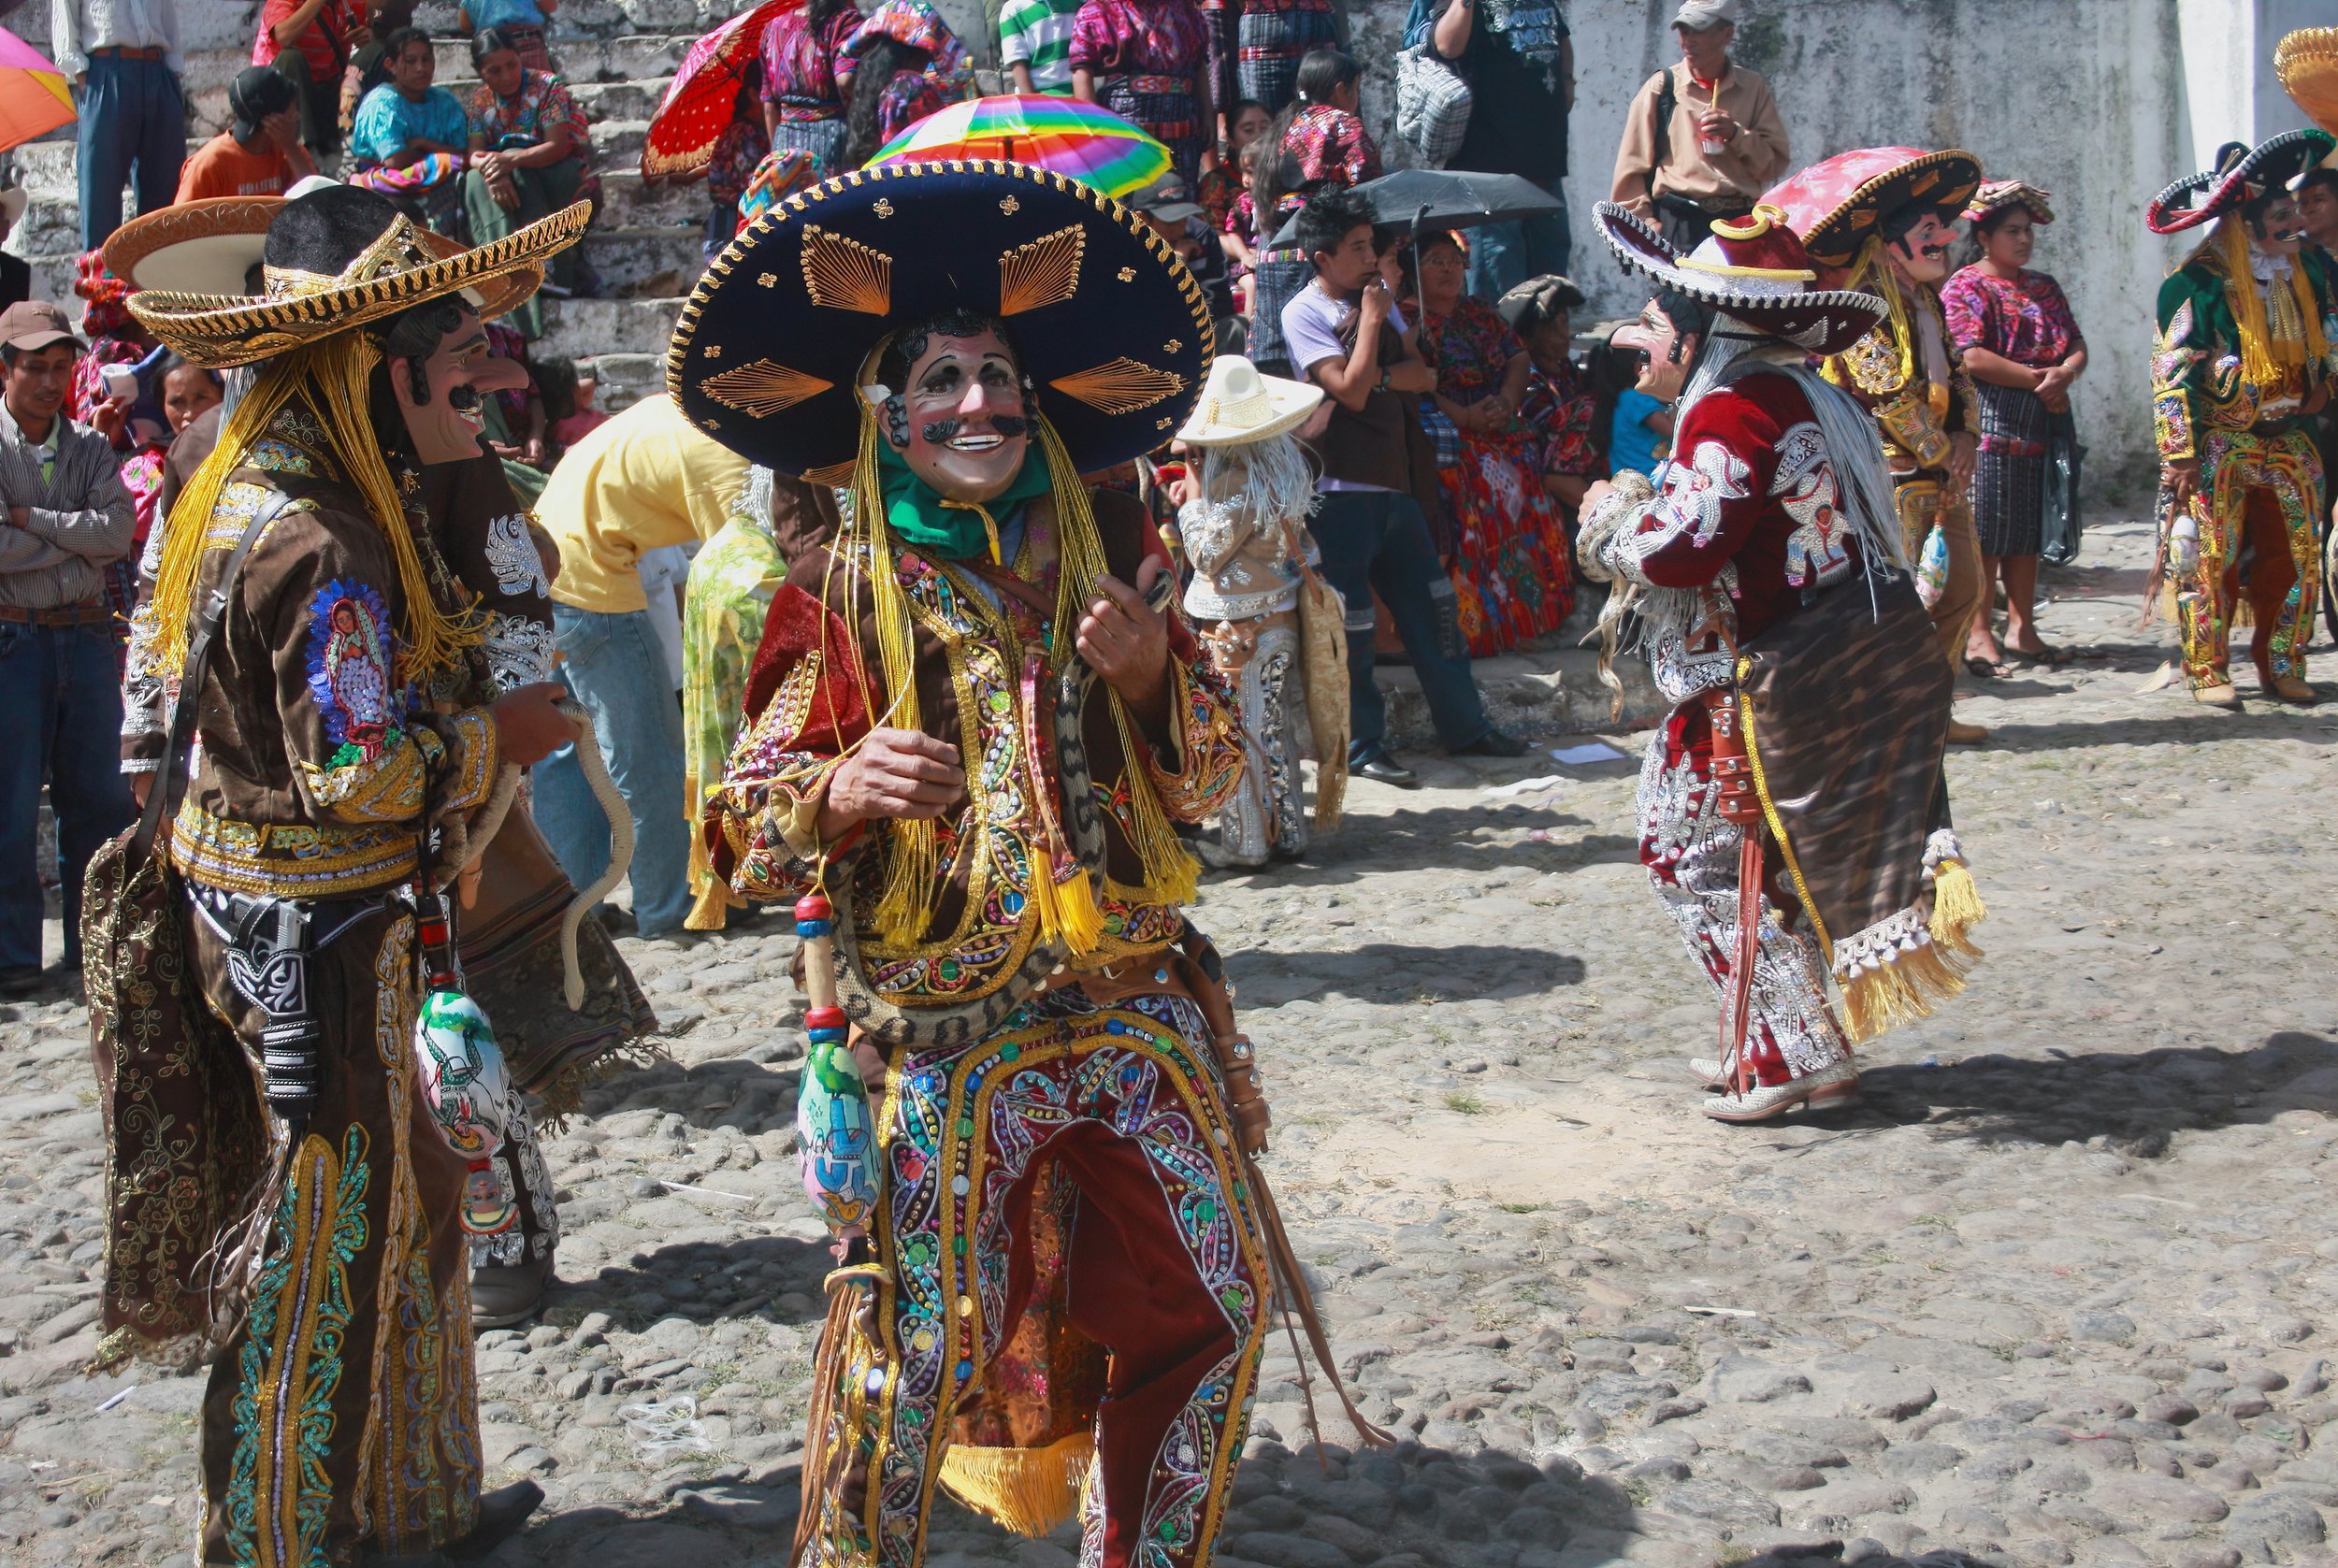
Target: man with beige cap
[1703, 138]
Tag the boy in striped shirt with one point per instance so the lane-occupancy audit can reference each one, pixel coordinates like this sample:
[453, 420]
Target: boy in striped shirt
[1036, 44]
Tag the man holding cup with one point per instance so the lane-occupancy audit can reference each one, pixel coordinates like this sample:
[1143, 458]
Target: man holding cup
[1703, 138]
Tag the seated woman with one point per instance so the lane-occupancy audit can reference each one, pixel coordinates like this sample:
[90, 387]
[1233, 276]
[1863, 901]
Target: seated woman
[1511, 564]
[902, 64]
[532, 154]
[411, 139]
[522, 23]
[804, 70]
[1560, 409]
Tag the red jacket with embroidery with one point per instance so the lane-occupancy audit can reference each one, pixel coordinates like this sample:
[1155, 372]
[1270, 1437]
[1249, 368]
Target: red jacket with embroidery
[1748, 505]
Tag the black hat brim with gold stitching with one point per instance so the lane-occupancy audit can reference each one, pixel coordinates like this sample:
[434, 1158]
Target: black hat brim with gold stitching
[1110, 327]
[407, 265]
[2242, 173]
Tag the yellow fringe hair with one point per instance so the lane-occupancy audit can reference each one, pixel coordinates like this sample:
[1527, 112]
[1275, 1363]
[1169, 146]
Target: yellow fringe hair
[2268, 349]
[330, 377]
[1869, 272]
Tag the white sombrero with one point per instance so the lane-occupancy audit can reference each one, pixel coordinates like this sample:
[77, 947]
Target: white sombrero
[1239, 405]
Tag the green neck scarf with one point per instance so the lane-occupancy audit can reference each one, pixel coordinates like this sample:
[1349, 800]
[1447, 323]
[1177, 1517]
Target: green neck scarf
[921, 518]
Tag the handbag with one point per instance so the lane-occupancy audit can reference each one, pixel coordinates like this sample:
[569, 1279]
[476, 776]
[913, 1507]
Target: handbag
[2062, 526]
[1433, 103]
[186, 1140]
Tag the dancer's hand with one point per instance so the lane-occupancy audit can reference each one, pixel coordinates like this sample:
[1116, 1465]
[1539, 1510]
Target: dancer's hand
[1964, 447]
[2181, 476]
[901, 774]
[1123, 639]
[531, 729]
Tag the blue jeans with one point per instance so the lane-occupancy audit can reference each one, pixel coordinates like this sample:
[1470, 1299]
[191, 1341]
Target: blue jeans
[61, 710]
[1378, 539]
[1504, 255]
[134, 120]
[612, 665]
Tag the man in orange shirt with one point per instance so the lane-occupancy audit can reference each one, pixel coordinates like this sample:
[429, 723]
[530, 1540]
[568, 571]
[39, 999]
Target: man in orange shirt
[260, 154]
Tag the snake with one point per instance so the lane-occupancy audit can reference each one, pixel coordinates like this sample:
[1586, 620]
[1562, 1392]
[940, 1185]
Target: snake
[481, 828]
[951, 1025]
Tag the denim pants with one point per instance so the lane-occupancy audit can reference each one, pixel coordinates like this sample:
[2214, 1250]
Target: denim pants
[612, 665]
[134, 120]
[1504, 255]
[1378, 539]
[61, 710]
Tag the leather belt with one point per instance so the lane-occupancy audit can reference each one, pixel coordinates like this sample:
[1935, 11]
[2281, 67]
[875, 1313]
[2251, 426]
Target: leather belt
[63, 615]
[117, 51]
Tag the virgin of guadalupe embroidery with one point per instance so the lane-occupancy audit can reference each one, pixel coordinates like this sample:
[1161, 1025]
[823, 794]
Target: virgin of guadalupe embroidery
[351, 664]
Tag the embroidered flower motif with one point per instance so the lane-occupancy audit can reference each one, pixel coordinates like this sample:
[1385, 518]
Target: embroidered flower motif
[1695, 493]
[512, 556]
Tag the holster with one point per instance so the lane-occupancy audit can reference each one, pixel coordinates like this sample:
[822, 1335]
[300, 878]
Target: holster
[269, 941]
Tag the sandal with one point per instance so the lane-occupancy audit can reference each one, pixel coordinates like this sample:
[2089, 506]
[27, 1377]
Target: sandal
[2046, 654]
[1982, 670]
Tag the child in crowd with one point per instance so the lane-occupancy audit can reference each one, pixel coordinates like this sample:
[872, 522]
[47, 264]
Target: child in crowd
[578, 384]
[1272, 627]
[1036, 44]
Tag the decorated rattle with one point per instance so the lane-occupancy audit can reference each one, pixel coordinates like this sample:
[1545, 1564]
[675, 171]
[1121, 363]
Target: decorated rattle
[832, 1105]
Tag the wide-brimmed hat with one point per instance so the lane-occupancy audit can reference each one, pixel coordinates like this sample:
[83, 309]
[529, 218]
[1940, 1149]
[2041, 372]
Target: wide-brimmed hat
[2242, 174]
[2306, 61]
[334, 259]
[1756, 270]
[1995, 195]
[1543, 296]
[1837, 205]
[1108, 325]
[1239, 405]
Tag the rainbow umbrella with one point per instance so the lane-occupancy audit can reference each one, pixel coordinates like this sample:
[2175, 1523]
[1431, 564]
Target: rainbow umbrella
[35, 96]
[699, 101]
[1063, 135]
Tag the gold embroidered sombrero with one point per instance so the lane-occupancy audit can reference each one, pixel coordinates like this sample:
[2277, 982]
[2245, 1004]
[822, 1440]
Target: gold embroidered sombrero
[2306, 61]
[404, 265]
[1110, 326]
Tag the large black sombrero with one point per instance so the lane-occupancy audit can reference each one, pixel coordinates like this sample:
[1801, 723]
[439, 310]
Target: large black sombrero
[1758, 270]
[2242, 173]
[1111, 329]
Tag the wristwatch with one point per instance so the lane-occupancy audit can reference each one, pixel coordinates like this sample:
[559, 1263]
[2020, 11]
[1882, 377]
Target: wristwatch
[1383, 378]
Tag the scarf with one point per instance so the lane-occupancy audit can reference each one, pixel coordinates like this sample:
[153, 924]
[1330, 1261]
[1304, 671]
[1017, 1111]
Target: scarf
[954, 531]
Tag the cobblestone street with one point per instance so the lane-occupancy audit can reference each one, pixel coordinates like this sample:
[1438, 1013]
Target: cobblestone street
[2057, 1289]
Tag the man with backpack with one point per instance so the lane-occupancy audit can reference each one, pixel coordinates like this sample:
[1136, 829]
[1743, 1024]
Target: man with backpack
[1703, 138]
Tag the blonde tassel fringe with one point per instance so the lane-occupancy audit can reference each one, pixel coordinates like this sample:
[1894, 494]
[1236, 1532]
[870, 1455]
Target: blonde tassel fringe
[1028, 1491]
[1067, 910]
[1903, 991]
[330, 376]
[1956, 905]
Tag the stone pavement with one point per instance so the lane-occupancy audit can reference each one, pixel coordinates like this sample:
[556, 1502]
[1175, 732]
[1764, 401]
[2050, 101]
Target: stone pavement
[2056, 1292]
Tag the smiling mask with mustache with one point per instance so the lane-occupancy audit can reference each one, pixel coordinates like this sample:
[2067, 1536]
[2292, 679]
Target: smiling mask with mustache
[959, 421]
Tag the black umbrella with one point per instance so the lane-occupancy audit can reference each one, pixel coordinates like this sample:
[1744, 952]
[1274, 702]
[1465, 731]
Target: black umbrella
[1427, 200]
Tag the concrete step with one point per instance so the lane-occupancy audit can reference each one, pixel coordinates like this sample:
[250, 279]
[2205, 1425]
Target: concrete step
[651, 263]
[582, 58]
[1547, 689]
[626, 378]
[586, 329]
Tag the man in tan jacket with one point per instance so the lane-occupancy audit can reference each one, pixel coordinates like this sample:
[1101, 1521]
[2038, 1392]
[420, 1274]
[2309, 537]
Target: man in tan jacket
[1703, 138]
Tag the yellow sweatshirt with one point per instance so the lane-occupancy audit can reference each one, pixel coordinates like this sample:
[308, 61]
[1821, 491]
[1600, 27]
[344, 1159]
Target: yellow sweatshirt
[644, 480]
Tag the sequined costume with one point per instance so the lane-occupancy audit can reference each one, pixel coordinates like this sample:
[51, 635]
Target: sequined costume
[1073, 1260]
[2240, 418]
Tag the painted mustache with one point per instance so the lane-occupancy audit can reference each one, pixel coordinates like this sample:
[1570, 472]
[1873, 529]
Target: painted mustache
[1007, 427]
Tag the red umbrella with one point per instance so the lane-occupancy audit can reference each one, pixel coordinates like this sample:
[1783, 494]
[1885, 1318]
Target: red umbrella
[705, 93]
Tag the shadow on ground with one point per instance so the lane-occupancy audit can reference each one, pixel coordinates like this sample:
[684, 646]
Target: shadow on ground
[2136, 1102]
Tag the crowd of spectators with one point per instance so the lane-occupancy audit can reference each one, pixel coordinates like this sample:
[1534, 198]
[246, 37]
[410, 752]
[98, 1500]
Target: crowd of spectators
[1467, 413]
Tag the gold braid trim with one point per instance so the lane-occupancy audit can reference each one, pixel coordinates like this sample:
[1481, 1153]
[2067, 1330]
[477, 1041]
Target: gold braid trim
[330, 377]
[1870, 272]
[2268, 349]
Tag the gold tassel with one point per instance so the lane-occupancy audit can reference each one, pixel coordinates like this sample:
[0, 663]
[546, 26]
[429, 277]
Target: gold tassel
[1067, 910]
[912, 879]
[1870, 273]
[1170, 875]
[1028, 1491]
[1956, 905]
[1905, 990]
[331, 376]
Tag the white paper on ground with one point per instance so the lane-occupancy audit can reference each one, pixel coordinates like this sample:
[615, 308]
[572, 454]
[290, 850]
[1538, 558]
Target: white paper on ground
[1590, 750]
[1524, 787]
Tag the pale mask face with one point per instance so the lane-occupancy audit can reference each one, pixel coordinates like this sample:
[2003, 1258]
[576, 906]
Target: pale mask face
[446, 427]
[1670, 353]
[1922, 252]
[963, 427]
[2279, 231]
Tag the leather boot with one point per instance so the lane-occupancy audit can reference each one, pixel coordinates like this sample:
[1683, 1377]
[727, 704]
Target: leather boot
[502, 1294]
[2221, 695]
[2288, 688]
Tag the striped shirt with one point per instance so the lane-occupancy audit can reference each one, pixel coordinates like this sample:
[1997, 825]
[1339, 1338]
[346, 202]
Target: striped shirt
[1038, 34]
